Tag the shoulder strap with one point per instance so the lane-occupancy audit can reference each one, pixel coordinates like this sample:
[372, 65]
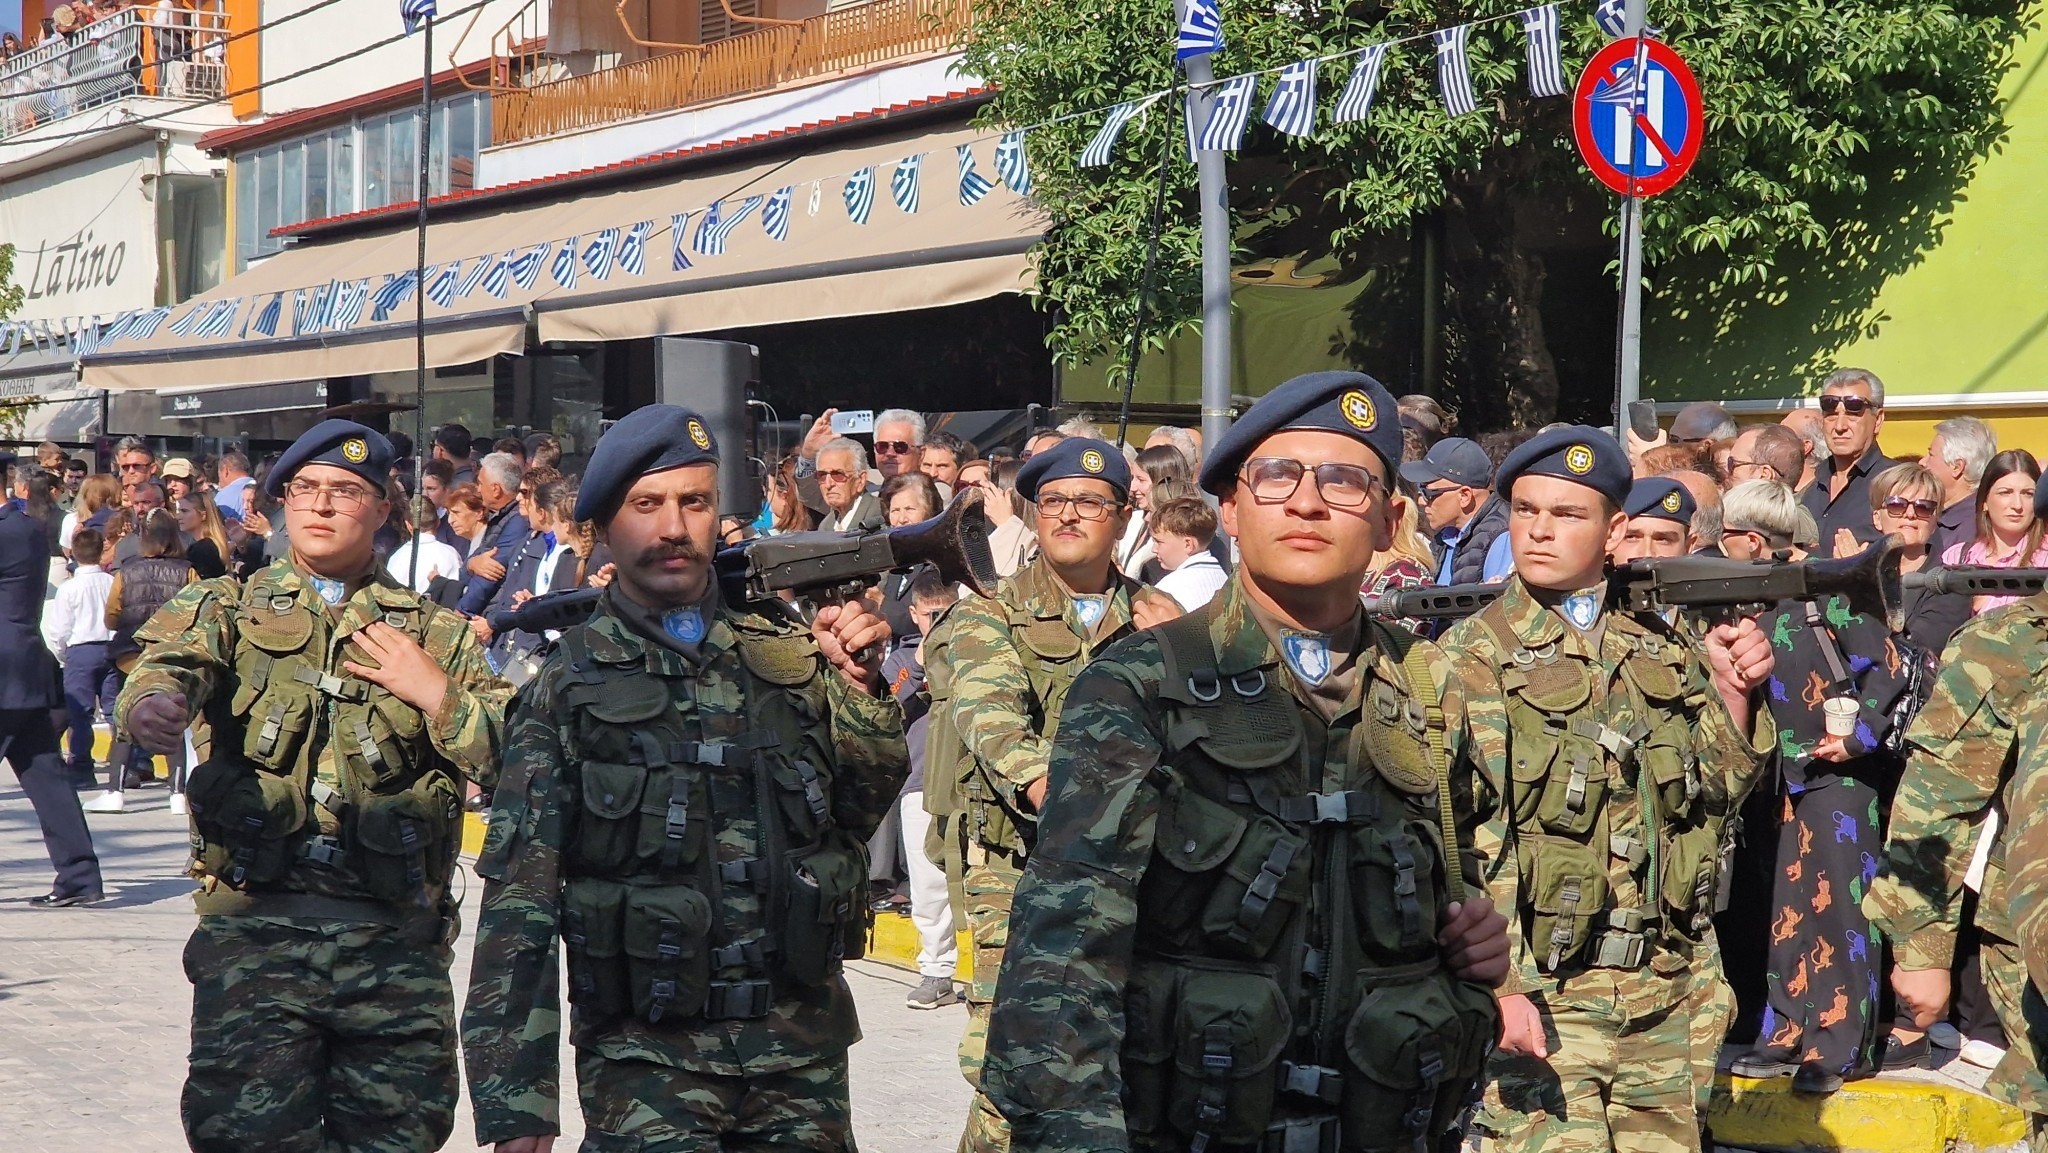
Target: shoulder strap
[1830, 650]
[1422, 685]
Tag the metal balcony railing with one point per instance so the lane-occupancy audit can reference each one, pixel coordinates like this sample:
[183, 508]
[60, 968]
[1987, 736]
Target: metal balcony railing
[170, 52]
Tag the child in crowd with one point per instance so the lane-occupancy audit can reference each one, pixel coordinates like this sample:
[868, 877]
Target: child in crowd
[1181, 531]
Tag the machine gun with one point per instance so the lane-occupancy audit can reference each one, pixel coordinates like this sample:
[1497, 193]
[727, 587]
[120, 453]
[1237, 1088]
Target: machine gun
[1996, 582]
[819, 568]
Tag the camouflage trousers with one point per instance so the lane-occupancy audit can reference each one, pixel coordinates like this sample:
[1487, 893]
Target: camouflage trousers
[2024, 1016]
[1620, 1075]
[318, 1038]
[1710, 1007]
[989, 886]
[644, 1107]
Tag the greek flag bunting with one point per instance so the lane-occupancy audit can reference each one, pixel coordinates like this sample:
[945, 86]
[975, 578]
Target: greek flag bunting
[633, 249]
[860, 195]
[1627, 90]
[1546, 65]
[413, 12]
[973, 185]
[267, 318]
[345, 303]
[775, 215]
[903, 186]
[526, 268]
[565, 262]
[1356, 101]
[499, 275]
[1097, 153]
[146, 323]
[13, 339]
[1612, 18]
[1201, 29]
[473, 277]
[1292, 107]
[222, 321]
[1230, 109]
[599, 254]
[679, 232]
[393, 292]
[717, 227]
[441, 284]
[1011, 163]
[184, 325]
[1454, 72]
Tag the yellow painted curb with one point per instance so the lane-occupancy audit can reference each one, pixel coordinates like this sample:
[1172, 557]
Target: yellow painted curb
[1878, 1115]
[473, 826]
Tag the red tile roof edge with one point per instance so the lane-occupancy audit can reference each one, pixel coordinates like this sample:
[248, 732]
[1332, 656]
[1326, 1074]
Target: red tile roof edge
[286, 124]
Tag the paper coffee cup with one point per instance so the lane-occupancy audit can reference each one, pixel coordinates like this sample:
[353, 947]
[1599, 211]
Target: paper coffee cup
[1841, 715]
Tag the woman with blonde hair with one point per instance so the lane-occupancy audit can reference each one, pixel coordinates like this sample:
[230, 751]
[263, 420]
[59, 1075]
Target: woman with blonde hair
[1405, 561]
[98, 495]
[199, 520]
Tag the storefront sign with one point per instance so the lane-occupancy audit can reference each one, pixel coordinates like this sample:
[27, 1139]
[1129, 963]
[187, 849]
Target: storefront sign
[253, 399]
[84, 236]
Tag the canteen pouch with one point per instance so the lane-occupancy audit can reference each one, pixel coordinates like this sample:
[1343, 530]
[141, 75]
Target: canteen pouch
[1567, 888]
[825, 922]
[593, 926]
[245, 823]
[607, 829]
[1395, 889]
[668, 958]
[400, 847]
[1147, 1056]
[1691, 876]
[1229, 1029]
[1415, 1047]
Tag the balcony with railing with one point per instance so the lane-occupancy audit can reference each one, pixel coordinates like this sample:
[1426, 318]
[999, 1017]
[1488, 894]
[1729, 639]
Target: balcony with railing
[163, 51]
[533, 99]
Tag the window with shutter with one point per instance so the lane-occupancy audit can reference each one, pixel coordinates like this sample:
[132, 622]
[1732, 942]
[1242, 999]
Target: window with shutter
[713, 23]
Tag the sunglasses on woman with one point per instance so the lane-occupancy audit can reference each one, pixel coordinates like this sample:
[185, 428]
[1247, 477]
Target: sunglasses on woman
[1900, 506]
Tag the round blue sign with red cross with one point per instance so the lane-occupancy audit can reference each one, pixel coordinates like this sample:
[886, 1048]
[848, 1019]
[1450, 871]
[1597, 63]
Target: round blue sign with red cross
[1637, 116]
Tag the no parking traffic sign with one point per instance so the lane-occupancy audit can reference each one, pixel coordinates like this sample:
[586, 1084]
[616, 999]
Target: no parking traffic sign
[1637, 116]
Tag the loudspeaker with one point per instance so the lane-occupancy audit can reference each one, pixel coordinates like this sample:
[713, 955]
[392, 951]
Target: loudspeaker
[715, 378]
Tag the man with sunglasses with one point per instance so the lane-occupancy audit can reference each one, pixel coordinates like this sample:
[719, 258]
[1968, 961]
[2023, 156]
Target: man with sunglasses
[1851, 413]
[134, 461]
[346, 712]
[999, 669]
[899, 441]
[1464, 516]
[1242, 926]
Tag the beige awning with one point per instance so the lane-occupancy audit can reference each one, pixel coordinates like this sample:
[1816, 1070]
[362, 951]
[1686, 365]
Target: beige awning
[829, 265]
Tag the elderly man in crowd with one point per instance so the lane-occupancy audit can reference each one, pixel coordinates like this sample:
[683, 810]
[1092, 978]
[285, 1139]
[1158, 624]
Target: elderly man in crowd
[899, 441]
[1961, 448]
[497, 482]
[843, 487]
[1851, 413]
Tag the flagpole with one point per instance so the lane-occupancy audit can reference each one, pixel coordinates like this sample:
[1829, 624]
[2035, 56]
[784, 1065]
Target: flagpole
[1212, 185]
[1628, 385]
[419, 308]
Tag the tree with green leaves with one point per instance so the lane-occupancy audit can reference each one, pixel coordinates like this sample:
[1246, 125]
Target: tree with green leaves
[1814, 112]
[11, 416]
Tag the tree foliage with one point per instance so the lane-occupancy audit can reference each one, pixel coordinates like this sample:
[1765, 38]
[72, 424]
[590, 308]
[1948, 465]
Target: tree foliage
[11, 416]
[1810, 106]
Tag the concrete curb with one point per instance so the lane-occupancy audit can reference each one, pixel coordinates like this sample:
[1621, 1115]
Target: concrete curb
[1878, 1115]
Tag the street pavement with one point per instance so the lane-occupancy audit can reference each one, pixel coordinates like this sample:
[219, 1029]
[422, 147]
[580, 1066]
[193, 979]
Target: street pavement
[94, 1002]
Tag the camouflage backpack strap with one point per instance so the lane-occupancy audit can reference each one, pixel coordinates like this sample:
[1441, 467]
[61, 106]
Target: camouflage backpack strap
[1422, 686]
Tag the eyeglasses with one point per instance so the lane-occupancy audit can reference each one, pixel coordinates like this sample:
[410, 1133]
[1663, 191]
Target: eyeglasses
[1900, 506]
[143, 467]
[302, 495]
[1853, 405]
[1735, 462]
[893, 447]
[1055, 505]
[835, 475]
[1275, 478]
[1430, 494]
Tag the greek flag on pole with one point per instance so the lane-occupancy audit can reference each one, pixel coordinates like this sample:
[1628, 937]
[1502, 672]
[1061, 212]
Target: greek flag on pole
[903, 186]
[1454, 72]
[441, 285]
[392, 293]
[717, 227]
[1546, 66]
[775, 214]
[1292, 107]
[345, 303]
[973, 185]
[1612, 18]
[860, 195]
[565, 262]
[526, 268]
[1201, 29]
[599, 254]
[266, 320]
[1356, 100]
[1097, 153]
[1011, 163]
[679, 231]
[415, 11]
[633, 249]
[1229, 112]
[474, 277]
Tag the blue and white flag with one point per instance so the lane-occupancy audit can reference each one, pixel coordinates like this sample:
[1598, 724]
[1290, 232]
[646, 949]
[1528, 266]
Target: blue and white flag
[1292, 107]
[717, 227]
[222, 321]
[441, 284]
[860, 195]
[393, 292]
[973, 185]
[13, 339]
[1356, 100]
[601, 252]
[1454, 71]
[498, 278]
[903, 186]
[1612, 18]
[1230, 109]
[679, 238]
[302, 317]
[1097, 153]
[633, 249]
[775, 214]
[346, 302]
[1546, 64]
[1627, 90]
[1011, 163]
[565, 262]
[415, 11]
[186, 324]
[1201, 30]
[526, 268]
[474, 276]
[267, 318]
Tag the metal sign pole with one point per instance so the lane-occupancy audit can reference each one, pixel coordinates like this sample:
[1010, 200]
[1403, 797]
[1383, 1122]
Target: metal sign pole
[419, 314]
[1214, 188]
[1629, 360]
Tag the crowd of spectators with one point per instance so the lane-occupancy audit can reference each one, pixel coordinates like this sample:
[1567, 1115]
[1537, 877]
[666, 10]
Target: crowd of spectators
[90, 52]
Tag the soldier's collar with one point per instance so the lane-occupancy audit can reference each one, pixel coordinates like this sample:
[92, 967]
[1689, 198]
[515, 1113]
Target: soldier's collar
[1534, 624]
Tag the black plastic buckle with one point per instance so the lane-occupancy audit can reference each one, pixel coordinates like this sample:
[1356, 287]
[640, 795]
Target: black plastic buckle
[738, 1000]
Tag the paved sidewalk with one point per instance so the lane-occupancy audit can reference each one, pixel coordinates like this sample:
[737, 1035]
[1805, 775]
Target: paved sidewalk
[93, 1008]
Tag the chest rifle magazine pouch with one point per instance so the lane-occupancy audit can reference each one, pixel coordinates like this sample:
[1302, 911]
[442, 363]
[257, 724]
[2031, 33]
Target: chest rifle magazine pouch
[826, 915]
[245, 822]
[404, 841]
[1415, 1047]
[1230, 1027]
[1567, 887]
[667, 945]
[593, 930]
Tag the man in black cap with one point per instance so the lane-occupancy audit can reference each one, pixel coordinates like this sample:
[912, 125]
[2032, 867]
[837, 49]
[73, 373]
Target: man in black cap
[1463, 514]
[1659, 512]
[1245, 923]
[29, 689]
[346, 712]
[1621, 752]
[689, 784]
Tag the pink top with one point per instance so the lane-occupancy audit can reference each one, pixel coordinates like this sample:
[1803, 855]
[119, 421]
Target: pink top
[1977, 554]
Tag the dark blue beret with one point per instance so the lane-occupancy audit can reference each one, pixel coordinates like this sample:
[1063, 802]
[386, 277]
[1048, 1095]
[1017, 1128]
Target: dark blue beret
[1576, 453]
[1350, 403]
[655, 438]
[1660, 497]
[341, 443]
[1075, 456]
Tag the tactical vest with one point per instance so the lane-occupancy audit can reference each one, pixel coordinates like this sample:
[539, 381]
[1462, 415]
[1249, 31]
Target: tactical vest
[644, 908]
[1287, 991]
[1573, 746]
[398, 810]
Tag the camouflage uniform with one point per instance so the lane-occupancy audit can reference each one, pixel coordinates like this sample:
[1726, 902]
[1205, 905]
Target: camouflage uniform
[999, 673]
[322, 1015]
[1226, 933]
[1609, 885]
[1965, 752]
[691, 820]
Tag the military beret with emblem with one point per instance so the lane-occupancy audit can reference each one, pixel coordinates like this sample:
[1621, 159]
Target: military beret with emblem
[650, 439]
[1348, 403]
[1076, 456]
[1662, 498]
[341, 443]
[1575, 453]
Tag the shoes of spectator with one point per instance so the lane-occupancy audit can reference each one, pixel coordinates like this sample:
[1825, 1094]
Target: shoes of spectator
[933, 993]
[1814, 1077]
[1762, 1065]
[1900, 1054]
[1982, 1054]
[1945, 1035]
[67, 900]
[136, 779]
[87, 781]
[107, 802]
[178, 807]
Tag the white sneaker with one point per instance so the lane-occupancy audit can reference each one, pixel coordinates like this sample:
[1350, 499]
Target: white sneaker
[1945, 1035]
[1982, 1054]
[178, 804]
[107, 802]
